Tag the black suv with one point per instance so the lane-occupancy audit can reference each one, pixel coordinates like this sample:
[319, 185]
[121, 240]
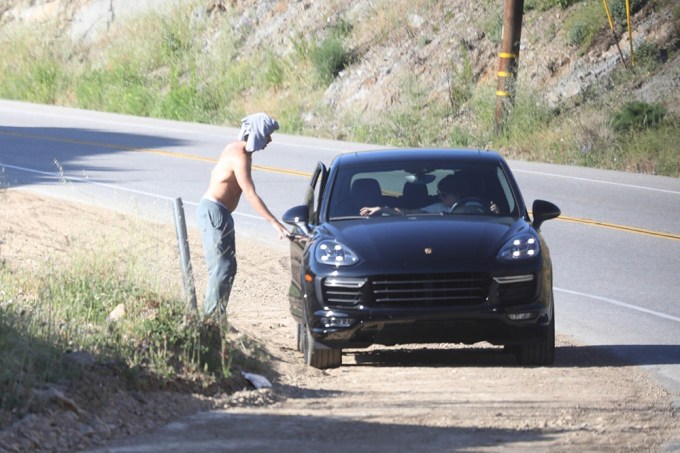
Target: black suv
[381, 254]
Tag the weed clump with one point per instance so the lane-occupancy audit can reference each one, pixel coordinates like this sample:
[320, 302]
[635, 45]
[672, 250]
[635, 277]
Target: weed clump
[329, 58]
[46, 320]
[638, 116]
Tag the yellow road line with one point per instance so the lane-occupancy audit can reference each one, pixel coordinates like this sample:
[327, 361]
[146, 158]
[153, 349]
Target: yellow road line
[629, 229]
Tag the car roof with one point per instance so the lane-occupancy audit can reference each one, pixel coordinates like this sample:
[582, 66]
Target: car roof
[469, 156]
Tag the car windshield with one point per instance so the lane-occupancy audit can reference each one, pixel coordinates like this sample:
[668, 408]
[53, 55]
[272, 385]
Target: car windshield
[431, 189]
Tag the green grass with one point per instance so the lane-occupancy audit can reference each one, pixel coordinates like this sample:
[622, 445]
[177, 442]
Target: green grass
[62, 307]
[584, 22]
[329, 58]
[184, 67]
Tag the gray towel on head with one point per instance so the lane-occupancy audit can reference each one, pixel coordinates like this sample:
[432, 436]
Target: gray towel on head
[256, 129]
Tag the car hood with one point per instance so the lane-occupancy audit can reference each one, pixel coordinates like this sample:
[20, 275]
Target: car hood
[423, 241]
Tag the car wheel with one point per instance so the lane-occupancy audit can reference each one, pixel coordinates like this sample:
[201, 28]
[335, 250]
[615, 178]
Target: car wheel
[318, 355]
[541, 353]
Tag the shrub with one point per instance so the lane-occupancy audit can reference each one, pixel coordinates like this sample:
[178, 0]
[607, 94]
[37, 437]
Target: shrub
[493, 26]
[461, 80]
[272, 74]
[647, 55]
[329, 58]
[116, 89]
[583, 23]
[638, 116]
[544, 5]
[578, 34]
[341, 28]
[618, 9]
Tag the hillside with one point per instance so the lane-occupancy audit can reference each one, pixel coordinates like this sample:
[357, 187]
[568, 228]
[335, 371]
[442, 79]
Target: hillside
[406, 73]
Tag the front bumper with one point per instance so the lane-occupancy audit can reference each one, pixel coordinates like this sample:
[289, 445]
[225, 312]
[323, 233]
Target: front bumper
[362, 328]
[430, 308]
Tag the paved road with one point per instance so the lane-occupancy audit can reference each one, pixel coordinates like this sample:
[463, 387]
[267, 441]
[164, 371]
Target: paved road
[616, 250]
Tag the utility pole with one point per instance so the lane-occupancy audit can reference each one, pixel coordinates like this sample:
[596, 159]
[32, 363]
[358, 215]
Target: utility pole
[508, 59]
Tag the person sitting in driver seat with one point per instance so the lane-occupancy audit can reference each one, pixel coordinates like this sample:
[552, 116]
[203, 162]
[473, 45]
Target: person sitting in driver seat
[451, 189]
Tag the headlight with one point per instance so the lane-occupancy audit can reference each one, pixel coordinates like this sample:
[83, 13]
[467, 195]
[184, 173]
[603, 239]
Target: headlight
[519, 248]
[334, 254]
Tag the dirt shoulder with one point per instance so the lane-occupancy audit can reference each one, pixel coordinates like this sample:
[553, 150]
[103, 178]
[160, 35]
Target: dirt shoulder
[440, 397]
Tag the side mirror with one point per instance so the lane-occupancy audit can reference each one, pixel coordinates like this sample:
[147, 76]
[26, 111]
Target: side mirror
[544, 210]
[299, 217]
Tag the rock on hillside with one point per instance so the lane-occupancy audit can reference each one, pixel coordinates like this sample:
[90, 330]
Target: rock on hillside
[429, 44]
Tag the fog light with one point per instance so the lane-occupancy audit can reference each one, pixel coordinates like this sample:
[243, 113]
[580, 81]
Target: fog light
[332, 321]
[520, 316]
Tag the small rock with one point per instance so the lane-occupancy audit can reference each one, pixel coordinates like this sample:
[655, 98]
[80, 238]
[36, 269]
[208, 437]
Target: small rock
[257, 380]
[52, 395]
[117, 314]
[80, 358]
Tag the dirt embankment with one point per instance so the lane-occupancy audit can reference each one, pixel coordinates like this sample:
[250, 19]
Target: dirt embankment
[441, 397]
[401, 42]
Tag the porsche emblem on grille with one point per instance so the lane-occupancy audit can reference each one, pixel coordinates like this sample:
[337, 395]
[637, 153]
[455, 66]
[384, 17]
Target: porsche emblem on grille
[428, 251]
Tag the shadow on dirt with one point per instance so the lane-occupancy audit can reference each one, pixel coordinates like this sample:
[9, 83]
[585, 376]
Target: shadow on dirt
[424, 356]
[565, 356]
[234, 431]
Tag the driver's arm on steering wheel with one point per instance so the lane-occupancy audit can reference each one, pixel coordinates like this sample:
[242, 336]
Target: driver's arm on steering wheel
[477, 205]
[377, 210]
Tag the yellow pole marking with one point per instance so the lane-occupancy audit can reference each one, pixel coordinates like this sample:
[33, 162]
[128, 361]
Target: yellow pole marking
[630, 33]
[504, 74]
[502, 93]
[629, 229]
[507, 55]
[609, 16]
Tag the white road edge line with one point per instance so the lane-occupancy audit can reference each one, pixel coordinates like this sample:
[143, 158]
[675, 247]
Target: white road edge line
[598, 181]
[60, 177]
[619, 303]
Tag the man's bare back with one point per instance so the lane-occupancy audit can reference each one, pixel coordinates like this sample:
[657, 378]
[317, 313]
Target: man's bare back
[232, 178]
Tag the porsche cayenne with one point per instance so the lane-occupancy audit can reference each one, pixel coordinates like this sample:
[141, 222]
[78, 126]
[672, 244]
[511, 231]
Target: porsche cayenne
[420, 246]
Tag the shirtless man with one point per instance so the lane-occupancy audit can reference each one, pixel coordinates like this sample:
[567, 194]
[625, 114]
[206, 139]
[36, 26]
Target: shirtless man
[230, 178]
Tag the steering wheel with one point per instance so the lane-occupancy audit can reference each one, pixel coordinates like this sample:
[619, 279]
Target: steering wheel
[471, 205]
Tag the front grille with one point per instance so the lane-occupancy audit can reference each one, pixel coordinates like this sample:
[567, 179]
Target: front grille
[467, 288]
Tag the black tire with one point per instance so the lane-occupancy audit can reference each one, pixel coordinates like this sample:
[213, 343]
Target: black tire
[318, 355]
[541, 353]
